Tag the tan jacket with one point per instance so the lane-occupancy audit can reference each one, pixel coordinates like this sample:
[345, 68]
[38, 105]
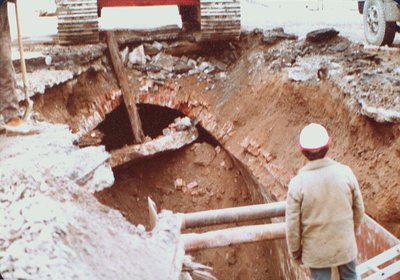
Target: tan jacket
[324, 210]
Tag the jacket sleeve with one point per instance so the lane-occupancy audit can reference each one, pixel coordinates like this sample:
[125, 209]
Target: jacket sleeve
[358, 204]
[293, 217]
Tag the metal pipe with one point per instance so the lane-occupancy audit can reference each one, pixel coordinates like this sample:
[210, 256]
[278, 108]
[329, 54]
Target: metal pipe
[233, 215]
[230, 236]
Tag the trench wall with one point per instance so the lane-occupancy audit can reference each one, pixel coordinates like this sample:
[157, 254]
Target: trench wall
[267, 181]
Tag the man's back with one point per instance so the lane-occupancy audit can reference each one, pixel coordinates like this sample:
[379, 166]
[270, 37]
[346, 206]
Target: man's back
[325, 191]
[324, 210]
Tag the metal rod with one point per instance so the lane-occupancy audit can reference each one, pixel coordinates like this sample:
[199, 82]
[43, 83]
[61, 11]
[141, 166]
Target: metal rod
[232, 215]
[230, 236]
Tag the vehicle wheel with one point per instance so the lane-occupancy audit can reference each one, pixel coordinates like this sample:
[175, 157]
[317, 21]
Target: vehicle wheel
[377, 31]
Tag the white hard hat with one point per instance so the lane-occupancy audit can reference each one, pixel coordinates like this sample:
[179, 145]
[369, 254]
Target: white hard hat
[314, 137]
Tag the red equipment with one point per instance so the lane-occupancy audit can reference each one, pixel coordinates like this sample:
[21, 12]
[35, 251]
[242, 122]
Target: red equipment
[214, 19]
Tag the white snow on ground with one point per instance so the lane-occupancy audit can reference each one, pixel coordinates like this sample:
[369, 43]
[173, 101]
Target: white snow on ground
[295, 16]
[301, 17]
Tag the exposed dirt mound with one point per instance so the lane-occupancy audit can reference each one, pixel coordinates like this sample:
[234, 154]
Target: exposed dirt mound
[272, 91]
[254, 105]
[199, 177]
[270, 110]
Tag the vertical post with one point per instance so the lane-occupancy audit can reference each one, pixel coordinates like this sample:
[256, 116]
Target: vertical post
[122, 78]
[23, 65]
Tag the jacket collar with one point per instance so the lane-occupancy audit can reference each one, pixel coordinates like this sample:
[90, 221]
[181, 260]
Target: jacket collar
[317, 164]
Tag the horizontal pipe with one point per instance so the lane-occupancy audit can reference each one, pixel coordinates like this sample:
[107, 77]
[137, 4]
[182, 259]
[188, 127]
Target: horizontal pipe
[230, 236]
[233, 215]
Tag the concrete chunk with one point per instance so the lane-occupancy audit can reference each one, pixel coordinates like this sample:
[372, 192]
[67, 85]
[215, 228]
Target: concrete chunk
[137, 56]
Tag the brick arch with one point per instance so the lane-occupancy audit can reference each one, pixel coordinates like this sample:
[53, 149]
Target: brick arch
[105, 103]
[191, 108]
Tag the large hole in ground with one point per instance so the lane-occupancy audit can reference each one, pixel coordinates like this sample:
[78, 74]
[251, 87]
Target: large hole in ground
[219, 185]
[118, 132]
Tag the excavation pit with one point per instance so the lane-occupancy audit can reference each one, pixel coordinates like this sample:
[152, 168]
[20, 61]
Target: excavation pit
[200, 176]
[195, 178]
[246, 152]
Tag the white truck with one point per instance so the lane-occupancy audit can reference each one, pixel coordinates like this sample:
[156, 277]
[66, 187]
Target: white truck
[380, 19]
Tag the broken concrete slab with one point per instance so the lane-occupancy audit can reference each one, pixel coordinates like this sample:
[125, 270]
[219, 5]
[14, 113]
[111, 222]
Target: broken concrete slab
[172, 139]
[221, 66]
[165, 61]
[276, 35]
[192, 63]
[203, 66]
[63, 56]
[40, 80]
[137, 56]
[153, 49]
[321, 35]
[182, 67]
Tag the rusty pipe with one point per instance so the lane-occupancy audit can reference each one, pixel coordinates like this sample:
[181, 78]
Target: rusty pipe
[233, 215]
[230, 236]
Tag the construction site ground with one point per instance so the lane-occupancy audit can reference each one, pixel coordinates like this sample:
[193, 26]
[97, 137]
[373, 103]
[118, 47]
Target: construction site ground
[66, 214]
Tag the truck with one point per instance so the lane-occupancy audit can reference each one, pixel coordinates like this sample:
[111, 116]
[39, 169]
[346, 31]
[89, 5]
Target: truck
[380, 19]
[212, 19]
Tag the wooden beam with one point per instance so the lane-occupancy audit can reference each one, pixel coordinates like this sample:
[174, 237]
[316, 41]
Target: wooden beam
[122, 78]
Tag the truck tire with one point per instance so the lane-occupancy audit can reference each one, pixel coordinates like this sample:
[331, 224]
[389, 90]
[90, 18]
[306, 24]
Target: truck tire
[377, 30]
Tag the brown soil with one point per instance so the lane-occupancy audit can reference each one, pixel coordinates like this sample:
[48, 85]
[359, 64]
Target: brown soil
[270, 110]
[220, 185]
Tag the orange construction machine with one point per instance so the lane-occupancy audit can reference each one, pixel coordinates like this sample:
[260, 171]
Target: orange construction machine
[214, 19]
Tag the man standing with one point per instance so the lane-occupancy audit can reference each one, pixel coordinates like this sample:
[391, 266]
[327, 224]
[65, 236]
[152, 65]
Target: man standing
[324, 210]
[8, 95]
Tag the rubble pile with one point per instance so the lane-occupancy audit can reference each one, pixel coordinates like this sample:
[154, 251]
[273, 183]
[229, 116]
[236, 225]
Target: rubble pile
[53, 227]
[371, 81]
[158, 66]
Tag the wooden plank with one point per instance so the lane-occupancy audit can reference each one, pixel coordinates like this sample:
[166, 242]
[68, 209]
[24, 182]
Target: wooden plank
[122, 78]
[386, 272]
[378, 260]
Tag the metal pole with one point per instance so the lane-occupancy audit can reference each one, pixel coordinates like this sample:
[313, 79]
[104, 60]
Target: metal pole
[23, 65]
[230, 236]
[233, 215]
